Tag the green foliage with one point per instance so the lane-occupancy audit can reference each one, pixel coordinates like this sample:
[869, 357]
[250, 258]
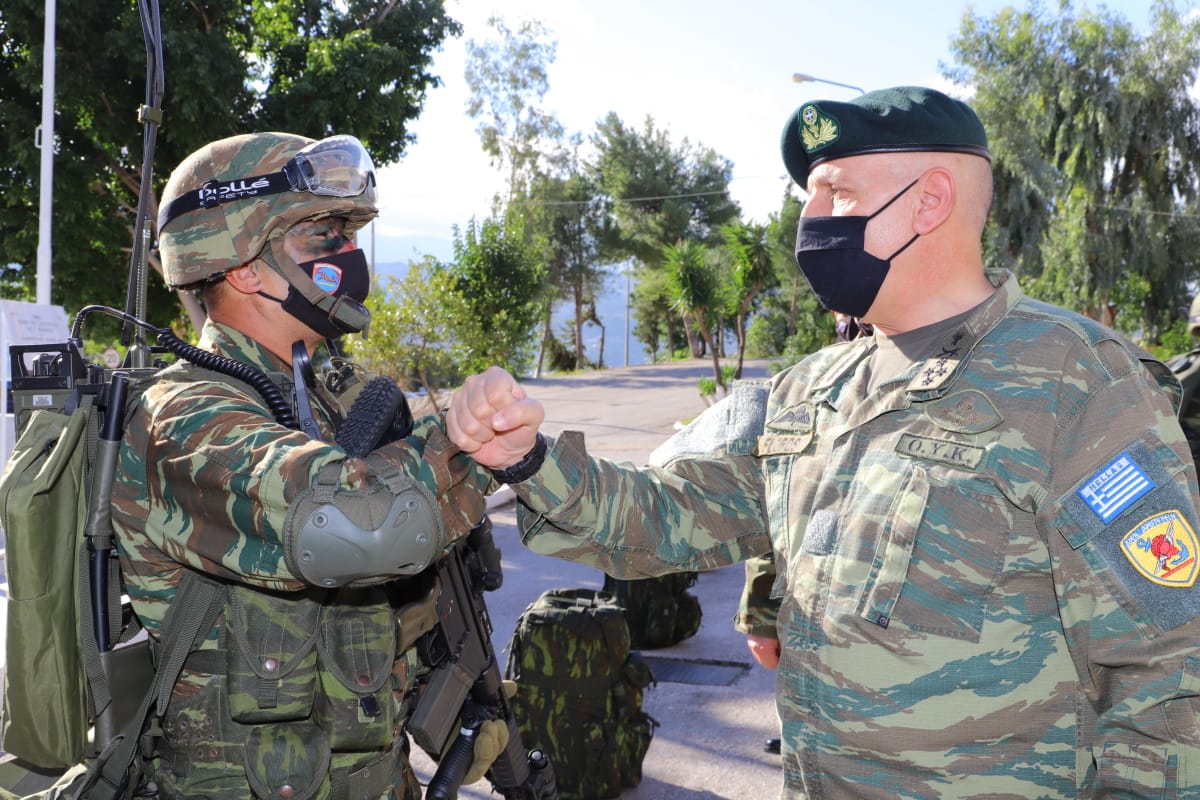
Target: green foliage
[314, 68]
[694, 291]
[1093, 134]
[413, 327]
[660, 193]
[500, 280]
[570, 220]
[751, 254]
[1174, 341]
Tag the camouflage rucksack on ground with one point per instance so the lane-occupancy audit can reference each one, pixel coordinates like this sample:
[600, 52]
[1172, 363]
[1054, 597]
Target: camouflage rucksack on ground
[579, 692]
[660, 611]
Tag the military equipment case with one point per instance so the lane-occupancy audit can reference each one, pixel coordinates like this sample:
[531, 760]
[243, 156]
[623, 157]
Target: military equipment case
[579, 692]
[79, 684]
[660, 611]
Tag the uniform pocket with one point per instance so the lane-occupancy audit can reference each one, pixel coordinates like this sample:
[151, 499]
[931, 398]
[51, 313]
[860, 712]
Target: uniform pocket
[356, 649]
[272, 667]
[288, 760]
[937, 565]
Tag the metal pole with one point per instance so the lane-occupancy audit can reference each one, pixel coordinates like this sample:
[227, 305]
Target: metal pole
[45, 140]
[800, 77]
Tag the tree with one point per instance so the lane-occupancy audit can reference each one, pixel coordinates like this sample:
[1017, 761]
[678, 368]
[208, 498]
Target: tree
[694, 292]
[570, 215]
[659, 195]
[498, 275]
[313, 67]
[1095, 143]
[508, 79]
[752, 272]
[414, 323]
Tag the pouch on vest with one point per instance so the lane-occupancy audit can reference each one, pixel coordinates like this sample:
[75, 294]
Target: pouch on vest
[356, 648]
[272, 650]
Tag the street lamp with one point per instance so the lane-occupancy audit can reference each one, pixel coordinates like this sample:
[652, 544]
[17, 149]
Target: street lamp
[800, 77]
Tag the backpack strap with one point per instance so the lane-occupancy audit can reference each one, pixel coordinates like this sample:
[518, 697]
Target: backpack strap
[191, 616]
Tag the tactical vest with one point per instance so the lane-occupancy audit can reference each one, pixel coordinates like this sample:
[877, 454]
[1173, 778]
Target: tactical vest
[306, 693]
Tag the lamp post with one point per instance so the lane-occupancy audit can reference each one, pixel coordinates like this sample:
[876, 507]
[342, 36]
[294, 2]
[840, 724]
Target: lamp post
[800, 77]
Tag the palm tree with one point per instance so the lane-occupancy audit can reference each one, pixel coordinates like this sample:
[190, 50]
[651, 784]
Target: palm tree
[692, 287]
[750, 251]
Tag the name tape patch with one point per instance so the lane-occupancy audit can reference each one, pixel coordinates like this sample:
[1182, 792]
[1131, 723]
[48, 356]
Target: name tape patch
[1115, 488]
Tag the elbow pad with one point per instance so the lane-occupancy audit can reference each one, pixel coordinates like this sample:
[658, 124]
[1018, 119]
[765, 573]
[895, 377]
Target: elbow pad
[333, 536]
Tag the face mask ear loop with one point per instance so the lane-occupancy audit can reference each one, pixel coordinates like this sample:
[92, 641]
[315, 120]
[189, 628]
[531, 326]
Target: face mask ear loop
[896, 197]
[904, 247]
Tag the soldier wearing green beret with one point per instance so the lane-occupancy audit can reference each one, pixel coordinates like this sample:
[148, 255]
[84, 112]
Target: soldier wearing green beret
[983, 516]
[304, 684]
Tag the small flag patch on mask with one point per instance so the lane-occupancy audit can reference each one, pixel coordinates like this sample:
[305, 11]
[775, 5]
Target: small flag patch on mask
[1115, 487]
[327, 277]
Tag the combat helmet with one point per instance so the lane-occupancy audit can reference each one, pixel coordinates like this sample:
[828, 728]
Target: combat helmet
[231, 198]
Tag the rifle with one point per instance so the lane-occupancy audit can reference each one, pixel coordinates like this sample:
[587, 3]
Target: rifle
[465, 686]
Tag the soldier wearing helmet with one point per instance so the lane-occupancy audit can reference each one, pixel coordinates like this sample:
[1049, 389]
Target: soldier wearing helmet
[303, 686]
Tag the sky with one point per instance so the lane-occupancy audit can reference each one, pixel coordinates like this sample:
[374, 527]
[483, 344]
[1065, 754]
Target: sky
[715, 72]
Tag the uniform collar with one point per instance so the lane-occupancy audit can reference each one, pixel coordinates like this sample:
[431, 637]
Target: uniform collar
[232, 343]
[939, 370]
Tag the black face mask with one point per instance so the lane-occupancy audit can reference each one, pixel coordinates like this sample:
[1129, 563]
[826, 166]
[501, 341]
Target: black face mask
[842, 274]
[347, 278]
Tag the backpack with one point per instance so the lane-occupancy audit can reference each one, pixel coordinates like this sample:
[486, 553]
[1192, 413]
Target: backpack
[79, 683]
[660, 611]
[579, 692]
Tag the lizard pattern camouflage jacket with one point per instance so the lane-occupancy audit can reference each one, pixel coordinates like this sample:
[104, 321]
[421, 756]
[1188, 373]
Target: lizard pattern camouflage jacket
[987, 565]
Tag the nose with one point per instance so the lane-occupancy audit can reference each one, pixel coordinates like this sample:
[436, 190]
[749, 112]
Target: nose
[815, 207]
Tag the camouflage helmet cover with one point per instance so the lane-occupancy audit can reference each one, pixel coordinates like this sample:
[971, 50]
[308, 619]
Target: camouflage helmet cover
[209, 241]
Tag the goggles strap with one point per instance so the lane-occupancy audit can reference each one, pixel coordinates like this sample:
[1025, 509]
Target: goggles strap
[214, 192]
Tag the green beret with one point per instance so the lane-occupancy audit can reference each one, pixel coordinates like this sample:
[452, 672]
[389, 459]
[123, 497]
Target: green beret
[899, 120]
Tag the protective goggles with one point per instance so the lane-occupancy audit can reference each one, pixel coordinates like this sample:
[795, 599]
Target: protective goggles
[335, 167]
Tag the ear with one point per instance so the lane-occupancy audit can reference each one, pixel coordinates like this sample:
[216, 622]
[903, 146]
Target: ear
[938, 197]
[245, 278]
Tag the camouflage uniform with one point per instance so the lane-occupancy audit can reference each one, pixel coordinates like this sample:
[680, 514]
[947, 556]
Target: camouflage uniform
[987, 566]
[301, 691]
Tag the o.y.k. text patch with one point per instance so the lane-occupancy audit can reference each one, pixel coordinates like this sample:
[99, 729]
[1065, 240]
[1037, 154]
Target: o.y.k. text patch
[1115, 487]
[1162, 548]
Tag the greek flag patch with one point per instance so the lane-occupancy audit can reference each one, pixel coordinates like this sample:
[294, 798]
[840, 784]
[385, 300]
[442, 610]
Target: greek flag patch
[1115, 488]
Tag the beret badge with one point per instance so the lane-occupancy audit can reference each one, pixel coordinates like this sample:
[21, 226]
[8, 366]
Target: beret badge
[819, 129]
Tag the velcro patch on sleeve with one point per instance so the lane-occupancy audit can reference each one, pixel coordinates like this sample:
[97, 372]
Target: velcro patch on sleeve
[1140, 520]
[1115, 488]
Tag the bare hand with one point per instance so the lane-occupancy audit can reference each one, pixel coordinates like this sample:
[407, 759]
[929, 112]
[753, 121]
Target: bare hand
[764, 649]
[493, 420]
